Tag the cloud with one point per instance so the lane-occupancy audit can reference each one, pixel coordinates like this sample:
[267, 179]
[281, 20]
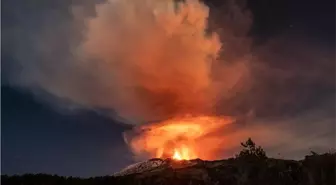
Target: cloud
[146, 61]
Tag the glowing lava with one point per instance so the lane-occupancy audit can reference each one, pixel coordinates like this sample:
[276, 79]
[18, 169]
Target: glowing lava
[183, 153]
[177, 155]
[182, 138]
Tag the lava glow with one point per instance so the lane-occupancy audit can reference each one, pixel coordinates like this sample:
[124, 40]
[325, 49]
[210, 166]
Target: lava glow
[183, 153]
[177, 155]
[179, 138]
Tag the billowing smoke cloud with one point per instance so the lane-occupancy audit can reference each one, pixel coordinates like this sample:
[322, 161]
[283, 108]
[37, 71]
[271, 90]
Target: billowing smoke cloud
[146, 60]
[151, 59]
[156, 59]
[155, 55]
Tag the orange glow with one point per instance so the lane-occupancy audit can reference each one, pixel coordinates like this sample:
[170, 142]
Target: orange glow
[177, 155]
[182, 138]
[183, 153]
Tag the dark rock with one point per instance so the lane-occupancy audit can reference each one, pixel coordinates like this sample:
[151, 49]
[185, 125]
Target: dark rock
[313, 170]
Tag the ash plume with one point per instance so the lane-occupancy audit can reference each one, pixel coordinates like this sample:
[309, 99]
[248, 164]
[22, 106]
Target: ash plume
[145, 60]
[156, 55]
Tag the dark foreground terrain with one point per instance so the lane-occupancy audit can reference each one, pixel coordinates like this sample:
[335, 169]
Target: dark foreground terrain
[313, 170]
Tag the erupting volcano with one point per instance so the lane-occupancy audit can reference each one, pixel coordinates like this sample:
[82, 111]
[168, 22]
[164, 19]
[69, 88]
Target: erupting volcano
[183, 138]
[162, 60]
[182, 153]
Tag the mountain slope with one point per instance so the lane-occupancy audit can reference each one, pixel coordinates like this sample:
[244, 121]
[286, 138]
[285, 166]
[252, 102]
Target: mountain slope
[313, 170]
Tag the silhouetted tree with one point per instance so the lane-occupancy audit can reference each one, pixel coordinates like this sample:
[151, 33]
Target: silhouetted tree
[250, 150]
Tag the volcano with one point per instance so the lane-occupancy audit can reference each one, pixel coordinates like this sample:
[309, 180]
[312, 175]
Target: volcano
[156, 165]
[314, 169]
[181, 138]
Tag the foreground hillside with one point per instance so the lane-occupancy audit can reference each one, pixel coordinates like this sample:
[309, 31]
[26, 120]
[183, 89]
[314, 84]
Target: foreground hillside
[313, 170]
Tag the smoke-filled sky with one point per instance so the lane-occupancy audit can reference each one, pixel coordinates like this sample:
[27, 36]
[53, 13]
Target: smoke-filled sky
[77, 74]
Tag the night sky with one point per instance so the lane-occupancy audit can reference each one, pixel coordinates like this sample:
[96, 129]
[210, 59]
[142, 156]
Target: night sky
[38, 136]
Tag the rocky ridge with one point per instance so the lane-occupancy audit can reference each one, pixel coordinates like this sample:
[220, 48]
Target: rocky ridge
[313, 170]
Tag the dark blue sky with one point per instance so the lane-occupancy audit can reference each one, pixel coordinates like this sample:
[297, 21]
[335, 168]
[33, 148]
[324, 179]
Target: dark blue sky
[37, 138]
